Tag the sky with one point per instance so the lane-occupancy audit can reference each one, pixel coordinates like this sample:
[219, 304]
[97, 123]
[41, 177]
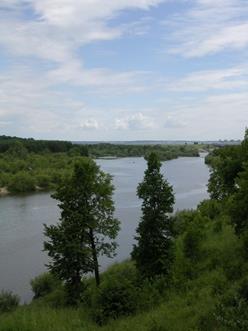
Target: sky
[124, 69]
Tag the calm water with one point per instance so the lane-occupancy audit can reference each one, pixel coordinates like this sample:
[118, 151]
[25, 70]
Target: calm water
[22, 218]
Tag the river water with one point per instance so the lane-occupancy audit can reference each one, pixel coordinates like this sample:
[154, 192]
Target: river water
[22, 217]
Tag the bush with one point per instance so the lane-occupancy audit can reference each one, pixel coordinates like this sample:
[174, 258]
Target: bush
[43, 181]
[182, 220]
[151, 293]
[117, 295]
[232, 312]
[44, 284]
[210, 208]
[21, 182]
[114, 299]
[192, 244]
[56, 299]
[8, 301]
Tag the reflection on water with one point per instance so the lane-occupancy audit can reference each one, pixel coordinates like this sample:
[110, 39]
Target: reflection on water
[22, 218]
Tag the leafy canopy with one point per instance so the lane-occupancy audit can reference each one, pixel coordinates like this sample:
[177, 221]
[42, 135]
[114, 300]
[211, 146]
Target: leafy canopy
[153, 251]
[87, 225]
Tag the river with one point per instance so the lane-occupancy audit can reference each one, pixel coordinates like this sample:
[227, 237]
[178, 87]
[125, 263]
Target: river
[22, 217]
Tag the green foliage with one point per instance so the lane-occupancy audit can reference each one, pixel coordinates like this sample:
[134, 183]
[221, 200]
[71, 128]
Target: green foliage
[8, 301]
[181, 220]
[232, 311]
[17, 149]
[165, 152]
[192, 243]
[86, 229]
[21, 183]
[35, 172]
[239, 202]
[15, 144]
[225, 164]
[114, 298]
[210, 208]
[46, 163]
[44, 284]
[153, 252]
[43, 181]
[208, 284]
[122, 293]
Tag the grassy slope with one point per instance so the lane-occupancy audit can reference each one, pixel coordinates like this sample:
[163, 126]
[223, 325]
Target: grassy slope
[189, 304]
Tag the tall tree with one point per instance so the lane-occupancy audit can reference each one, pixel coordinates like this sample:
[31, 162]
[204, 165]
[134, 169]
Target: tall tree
[153, 251]
[225, 165]
[238, 203]
[86, 229]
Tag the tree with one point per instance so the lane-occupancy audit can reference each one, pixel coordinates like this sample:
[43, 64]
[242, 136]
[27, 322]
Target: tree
[239, 203]
[153, 251]
[225, 165]
[86, 229]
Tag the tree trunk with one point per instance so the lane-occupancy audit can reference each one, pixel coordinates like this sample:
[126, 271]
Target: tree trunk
[95, 260]
[74, 289]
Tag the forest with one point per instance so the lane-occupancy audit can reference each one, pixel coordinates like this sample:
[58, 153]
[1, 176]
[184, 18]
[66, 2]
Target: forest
[28, 165]
[187, 271]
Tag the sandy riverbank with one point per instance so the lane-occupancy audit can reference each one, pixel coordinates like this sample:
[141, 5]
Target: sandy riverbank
[3, 191]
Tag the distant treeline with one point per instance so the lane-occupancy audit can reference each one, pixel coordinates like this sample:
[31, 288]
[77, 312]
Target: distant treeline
[36, 146]
[28, 165]
[165, 152]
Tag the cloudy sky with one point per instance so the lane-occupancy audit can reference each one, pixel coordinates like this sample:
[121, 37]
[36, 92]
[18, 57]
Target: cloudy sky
[124, 69]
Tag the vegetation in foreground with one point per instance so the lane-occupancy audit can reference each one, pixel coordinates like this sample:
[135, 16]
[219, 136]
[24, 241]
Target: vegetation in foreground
[205, 289]
[29, 165]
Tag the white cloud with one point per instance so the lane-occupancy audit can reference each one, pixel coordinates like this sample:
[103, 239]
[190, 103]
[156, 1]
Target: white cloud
[61, 26]
[212, 117]
[172, 122]
[74, 12]
[48, 90]
[90, 124]
[207, 80]
[100, 78]
[210, 27]
[136, 121]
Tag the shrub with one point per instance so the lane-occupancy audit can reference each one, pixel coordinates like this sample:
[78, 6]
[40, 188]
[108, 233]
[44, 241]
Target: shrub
[192, 244]
[182, 220]
[44, 284]
[56, 299]
[210, 208]
[8, 301]
[232, 312]
[21, 182]
[43, 181]
[152, 292]
[114, 299]
[117, 295]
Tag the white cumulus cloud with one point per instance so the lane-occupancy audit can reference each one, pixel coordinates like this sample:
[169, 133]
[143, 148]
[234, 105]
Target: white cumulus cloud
[136, 121]
[89, 124]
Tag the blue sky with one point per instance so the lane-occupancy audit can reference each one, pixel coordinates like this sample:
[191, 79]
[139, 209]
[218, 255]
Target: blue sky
[124, 69]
